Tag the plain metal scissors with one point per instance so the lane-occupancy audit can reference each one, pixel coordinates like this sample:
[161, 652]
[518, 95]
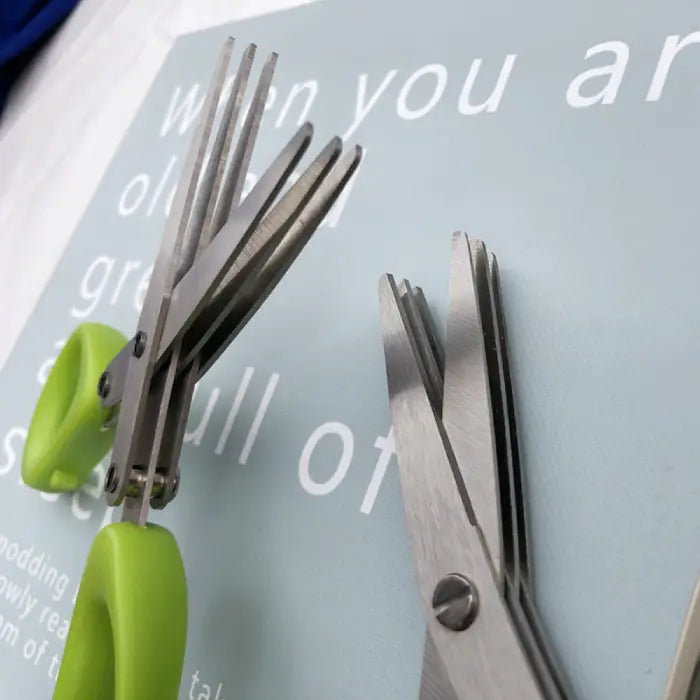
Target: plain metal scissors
[221, 255]
[453, 419]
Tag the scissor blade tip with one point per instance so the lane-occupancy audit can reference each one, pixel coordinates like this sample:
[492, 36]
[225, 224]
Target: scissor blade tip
[460, 240]
[330, 151]
[386, 282]
[353, 156]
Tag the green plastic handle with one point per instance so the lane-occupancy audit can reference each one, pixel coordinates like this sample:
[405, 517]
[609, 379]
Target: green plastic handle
[66, 440]
[128, 631]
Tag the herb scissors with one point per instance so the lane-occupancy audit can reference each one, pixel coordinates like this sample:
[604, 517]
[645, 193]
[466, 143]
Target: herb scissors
[453, 419]
[221, 255]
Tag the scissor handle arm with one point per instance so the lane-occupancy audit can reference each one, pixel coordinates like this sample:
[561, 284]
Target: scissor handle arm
[66, 437]
[128, 631]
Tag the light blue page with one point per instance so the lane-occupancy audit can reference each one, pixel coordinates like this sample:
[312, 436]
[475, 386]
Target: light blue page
[566, 138]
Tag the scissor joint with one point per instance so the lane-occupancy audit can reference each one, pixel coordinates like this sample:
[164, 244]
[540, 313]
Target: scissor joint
[453, 420]
[162, 484]
[221, 256]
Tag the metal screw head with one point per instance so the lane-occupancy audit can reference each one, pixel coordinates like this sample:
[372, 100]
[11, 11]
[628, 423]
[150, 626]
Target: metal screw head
[111, 479]
[455, 602]
[139, 343]
[104, 384]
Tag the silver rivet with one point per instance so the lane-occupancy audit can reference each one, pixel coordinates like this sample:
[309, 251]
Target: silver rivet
[104, 384]
[139, 343]
[111, 479]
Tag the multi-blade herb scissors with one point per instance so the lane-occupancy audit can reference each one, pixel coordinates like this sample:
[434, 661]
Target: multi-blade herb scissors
[220, 257]
[453, 418]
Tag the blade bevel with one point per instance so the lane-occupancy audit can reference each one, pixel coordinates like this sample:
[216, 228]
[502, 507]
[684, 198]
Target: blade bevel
[466, 410]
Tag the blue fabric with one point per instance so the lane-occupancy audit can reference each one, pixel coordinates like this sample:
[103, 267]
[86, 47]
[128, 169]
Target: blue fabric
[24, 27]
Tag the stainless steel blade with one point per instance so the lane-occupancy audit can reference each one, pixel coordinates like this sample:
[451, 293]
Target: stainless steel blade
[516, 476]
[210, 184]
[233, 185]
[431, 332]
[200, 282]
[281, 220]
[486, 660]
[258, 248]
[684, 677]
[234, 177]
[141, 364]
[170, 396]
[466, 411]
[233, 318]
[434, 683]
[424, 344]
[517, 594]
[500, 425]
[217, 185]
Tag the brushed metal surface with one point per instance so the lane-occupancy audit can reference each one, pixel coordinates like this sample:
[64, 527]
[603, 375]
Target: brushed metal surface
[486, 660]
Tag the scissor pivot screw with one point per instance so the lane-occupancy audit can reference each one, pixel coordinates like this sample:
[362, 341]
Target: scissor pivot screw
[104, 384]
[139, 343]
[455, 602]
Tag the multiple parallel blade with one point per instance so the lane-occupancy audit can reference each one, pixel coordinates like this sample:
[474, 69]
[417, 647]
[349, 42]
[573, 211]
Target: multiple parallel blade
[486, 660]
[134, 397]
[466, 408]
[470, 394]
[220, 258]
[516, 569]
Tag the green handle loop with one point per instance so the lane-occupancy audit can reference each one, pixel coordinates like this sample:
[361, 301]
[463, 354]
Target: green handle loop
[128, 632]
[66, 440]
